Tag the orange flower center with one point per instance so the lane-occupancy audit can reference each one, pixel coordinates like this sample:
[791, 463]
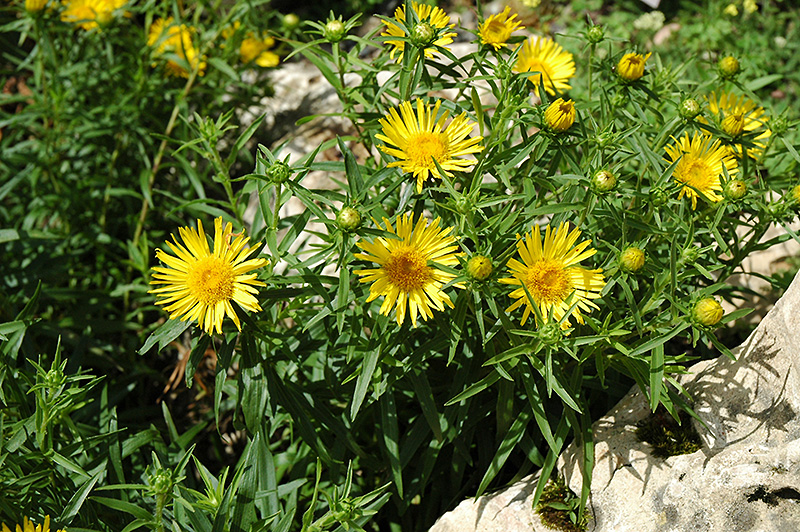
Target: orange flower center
[424, 147]
[210, 280]
[548, 282]
[407, 269]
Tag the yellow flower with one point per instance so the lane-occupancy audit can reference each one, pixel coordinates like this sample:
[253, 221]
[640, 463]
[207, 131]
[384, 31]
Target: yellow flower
[201, 283]
[479, 267]
[34, 6]
[89, 14]
[435, 16]
[560, 115]
[543, 55]
[254, 48]
[552, 276]
[700, 166]
[631, 66]
[408, 272]
[27, 526]
[169, 38]
[497, 29]
[750, 6]
[417, 139]
[726, 105]
[731, 10]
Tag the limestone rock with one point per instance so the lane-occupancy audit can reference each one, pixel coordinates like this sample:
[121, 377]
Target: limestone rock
[745, 478]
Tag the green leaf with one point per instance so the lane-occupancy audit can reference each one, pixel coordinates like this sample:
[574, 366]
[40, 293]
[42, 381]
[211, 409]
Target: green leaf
[509, 443]
[368, 365]
[391, 438]
[656, 375]
[165, 334]
[76, 501]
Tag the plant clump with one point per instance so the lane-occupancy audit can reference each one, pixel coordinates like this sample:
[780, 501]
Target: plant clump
[667, 436]
[558, 507]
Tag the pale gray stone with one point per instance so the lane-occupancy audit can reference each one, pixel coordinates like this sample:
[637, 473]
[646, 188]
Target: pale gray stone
[745, 478]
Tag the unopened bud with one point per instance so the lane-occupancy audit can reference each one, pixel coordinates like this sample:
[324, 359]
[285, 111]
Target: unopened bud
[423, 34]
[733, 124]
[279, 172]
[334, 31]
[479, 267]
[707, 312]
[595, 34]
[631, 259]
[348, 219]
[728, 67]
[735, 189]
[689, 109]
[603, 181]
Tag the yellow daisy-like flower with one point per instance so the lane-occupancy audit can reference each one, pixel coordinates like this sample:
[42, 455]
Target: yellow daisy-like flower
[560, 115]
[27, 526]
[700, 166]
[200, 283]
[740, 112]
[543, 55]
[551, 273]
[497, 29]
[254, 48]
[417, 139]
[408, 273]
[90, 14]
[170, 38]
[435, 16]
[631, 66]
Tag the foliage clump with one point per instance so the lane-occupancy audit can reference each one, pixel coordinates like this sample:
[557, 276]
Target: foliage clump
[667, 436]
[558, 507]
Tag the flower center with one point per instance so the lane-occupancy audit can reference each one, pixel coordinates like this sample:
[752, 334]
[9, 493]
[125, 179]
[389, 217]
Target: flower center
[424, 147]
[496, 32]
[407, 269]
[696, 173]
[210, 280]
[548, 282]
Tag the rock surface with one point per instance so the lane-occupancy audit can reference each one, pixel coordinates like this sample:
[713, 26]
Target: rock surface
[745, 478]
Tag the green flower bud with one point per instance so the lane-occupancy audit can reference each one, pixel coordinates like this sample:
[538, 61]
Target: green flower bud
[279, 172]
[423, 34]
[603, 181]
[735, 189]
[291, 21]
[550, 333]
[779, 125]
[631, 259]
[348, 219]
[689, 109]
[479, 267]
[160, 481]
[658, 197]
[595, 34]
[707, 312]
[334, 31]
[728, 67]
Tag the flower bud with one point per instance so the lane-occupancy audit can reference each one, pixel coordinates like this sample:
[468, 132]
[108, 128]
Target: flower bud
[658, 197]
[334, 31]
[603, 181]
[160, 481]
[631, 259]
[479, 267]
[348, 219]
[707, 312]
[595, 34]
[279, 172]
[550, 333]
[796, 194]
[464, 205]
[735, 189]
[423, 34]
[291, 21]
[733, 124]
[560, 115]
[728, 67]
[631, 66]
[689, 109]
[779, 125]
